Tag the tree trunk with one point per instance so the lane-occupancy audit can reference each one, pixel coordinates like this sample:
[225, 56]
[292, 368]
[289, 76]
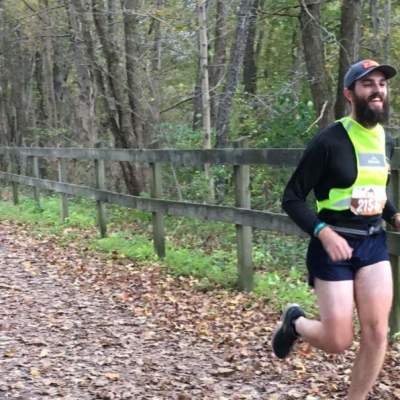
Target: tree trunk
[111, 23]
[85, 107]
[217, 68]
[94, 67]
[41, 115]
[4, 82]
[48, 67]
[205, 91]
[249, 64]
[116, 78]
[315, 61]
[375, 22]
[115, 74]
[133, 70]
[108, 102]
[297, 68]
[154, 78]
[386, 31]
[18, 94]
[197, 101]
[349, 45]
[233, 73]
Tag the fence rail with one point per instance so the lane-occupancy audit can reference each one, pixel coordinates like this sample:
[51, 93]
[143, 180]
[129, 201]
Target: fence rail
[274, 157]
[242, 216]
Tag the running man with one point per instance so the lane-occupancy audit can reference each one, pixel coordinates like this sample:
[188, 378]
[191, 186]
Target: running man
[347, 167]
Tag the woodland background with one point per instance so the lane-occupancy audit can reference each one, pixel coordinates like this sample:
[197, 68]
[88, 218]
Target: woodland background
[183, 73]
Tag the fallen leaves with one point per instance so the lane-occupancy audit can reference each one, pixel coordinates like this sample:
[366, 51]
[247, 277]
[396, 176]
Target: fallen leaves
[77, 325]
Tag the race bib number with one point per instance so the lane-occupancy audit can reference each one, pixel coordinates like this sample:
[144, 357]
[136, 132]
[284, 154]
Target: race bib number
[368, 200]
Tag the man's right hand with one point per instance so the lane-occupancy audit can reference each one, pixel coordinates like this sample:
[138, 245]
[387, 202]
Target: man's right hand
[335, 245]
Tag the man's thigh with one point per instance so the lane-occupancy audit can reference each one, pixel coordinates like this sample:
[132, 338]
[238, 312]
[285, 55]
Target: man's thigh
[336, 305]
[373, 287]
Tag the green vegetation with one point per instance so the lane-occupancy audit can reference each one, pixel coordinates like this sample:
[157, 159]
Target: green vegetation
[137, 246]
[204, 251]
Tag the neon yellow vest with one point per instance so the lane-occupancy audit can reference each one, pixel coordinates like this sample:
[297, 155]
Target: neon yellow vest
[372, 167]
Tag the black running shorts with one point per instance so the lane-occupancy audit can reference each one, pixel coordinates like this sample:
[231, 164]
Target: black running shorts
[366, 251]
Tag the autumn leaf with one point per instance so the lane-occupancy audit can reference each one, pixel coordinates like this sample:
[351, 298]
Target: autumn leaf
[44, 353]
[10, 352]
[112, 376]
[35, 373]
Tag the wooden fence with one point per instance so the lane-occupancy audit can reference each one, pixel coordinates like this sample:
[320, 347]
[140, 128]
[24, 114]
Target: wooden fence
[241, 215]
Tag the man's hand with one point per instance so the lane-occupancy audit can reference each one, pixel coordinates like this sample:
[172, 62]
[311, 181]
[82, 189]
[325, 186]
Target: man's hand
[335, 245]
[396, 221]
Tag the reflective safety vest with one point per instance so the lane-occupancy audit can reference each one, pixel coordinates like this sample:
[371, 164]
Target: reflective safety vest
[367, 195]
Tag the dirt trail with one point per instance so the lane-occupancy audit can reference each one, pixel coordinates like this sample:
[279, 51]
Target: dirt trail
[75, 325]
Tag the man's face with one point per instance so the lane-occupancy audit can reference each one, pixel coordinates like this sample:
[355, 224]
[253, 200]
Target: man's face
[369, 99]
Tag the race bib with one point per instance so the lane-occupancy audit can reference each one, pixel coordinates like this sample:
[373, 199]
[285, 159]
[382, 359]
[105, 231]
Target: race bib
[368, 200]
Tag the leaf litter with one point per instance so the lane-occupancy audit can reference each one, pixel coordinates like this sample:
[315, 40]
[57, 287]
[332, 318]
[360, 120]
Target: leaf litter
[77, 325]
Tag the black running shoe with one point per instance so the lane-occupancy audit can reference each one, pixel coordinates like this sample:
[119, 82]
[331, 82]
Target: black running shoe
[285, 335]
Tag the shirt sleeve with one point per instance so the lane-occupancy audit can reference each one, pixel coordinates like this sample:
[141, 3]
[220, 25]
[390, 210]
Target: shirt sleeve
[305, 177]
[389, 209]
[388, 212]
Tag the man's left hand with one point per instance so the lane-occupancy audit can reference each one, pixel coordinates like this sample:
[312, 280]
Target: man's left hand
[396, 221]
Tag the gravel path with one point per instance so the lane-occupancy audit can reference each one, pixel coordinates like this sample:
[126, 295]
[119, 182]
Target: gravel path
[58, 341]
[76, 326]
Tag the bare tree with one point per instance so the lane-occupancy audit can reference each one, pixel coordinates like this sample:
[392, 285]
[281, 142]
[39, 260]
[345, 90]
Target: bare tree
[217, 66]
[4, 81]
[156, 65]
[386, 37]
[233, 72]
[375, 22]
[85, 103]
[133, 71]
[205, 90]
[249, 64]
[349, 46]
[116, 79]
[196, 100]
[48, 65]
[315, 60]
[19, 78]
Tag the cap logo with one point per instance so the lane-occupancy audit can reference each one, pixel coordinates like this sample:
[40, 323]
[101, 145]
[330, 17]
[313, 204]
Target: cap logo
[369, 63]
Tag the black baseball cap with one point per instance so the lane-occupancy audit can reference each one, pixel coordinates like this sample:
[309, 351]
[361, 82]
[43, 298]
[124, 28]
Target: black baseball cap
[365, 67]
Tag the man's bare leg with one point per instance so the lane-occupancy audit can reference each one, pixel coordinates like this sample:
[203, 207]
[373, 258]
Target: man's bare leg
[334, 332]
[373, 294]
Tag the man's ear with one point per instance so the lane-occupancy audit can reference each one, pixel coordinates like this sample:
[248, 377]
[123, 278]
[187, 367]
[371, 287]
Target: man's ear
[347, 94]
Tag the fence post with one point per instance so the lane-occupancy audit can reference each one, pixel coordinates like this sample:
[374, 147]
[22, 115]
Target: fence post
[36, 174]
[101, 184]
[157, 217]
[394, 261]
[13, 167]
[244, 234]
[62, 177]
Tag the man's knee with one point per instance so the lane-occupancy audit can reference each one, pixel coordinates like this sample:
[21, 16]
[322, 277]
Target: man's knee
[339, 336]
[339, 342]
[374, 334]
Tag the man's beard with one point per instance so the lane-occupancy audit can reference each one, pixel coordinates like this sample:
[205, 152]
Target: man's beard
[367, 116]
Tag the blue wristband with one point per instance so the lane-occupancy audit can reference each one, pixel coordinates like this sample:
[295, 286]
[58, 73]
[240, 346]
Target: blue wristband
[319, 228]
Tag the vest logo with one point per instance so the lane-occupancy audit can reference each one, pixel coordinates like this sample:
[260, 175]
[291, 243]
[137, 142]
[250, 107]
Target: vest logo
[371, 160]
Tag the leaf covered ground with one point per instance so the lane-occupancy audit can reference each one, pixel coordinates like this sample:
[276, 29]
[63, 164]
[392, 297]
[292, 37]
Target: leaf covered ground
[75, 324]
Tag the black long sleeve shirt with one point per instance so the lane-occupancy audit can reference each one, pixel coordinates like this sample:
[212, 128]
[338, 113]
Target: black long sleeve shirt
[329, 161]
